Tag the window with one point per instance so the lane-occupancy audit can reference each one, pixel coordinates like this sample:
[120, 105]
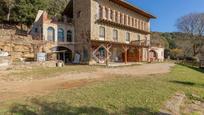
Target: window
[106, 9]
[111, 14]
[121, 18]
[136, 23]
[116, 16]
[100, 11]
[138, 37]
[127, 37]
[69, 36]
[60, 35]
[133, 22]
[147, 42]
[78, 14]
[102, 53]
[36, 30]
[125, 19]
[51, 34]
[102, 32]
[141, 25]
[115, 35]
[129, 20]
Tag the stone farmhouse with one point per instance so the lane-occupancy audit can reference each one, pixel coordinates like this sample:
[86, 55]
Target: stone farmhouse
[97, 31]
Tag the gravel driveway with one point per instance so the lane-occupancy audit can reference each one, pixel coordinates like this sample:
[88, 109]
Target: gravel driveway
[15, 89]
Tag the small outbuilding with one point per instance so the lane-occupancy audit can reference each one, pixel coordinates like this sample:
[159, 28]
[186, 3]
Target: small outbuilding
[156, 54]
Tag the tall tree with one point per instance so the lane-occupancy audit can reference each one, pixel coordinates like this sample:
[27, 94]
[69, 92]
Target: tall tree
[193, 25]
[8, 4]
[56, 7]
[26, 10]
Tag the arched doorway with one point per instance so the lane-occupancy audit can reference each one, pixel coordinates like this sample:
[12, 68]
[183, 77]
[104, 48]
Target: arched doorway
[62, 53]
[153, 55]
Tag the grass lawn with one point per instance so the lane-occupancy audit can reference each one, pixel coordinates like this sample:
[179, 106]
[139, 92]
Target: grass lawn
[127, 95]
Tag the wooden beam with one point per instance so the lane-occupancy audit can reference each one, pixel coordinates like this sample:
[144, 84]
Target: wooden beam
[108, 47]
[125, 49]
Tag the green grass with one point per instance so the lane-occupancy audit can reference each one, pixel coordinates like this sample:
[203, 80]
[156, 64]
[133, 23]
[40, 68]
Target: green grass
[127, 95]
[43, 72]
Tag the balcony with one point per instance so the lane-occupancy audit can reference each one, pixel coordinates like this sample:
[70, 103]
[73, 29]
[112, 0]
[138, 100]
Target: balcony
[142, 43]
[121, 20]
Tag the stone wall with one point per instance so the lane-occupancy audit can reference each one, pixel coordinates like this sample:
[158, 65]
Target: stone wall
[82, 25]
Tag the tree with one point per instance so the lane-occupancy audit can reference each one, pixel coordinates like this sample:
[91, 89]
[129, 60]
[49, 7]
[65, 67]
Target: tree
[193, 25]
[26, 10]
[56, 11]
[8, 4]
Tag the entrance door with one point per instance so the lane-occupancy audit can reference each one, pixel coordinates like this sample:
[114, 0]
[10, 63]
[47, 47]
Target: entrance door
[63, 54]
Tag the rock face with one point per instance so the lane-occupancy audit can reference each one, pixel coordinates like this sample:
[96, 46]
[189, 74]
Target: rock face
[20, 46]
[4, 62]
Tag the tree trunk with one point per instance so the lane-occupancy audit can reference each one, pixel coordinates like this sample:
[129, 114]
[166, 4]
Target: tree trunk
[9, 14]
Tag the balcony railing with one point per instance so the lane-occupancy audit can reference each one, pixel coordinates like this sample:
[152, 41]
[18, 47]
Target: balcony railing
[108, 15]
[141, 43]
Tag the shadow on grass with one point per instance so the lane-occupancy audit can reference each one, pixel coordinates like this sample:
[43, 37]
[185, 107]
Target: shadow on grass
[37, 107]
[192, 67]
[53, 108]
[188, 83]
[183, 83]
[142, 111]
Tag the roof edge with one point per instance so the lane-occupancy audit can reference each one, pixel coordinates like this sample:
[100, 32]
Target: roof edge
[133, 8]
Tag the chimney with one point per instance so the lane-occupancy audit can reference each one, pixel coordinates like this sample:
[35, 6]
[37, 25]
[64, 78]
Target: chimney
[44, 16]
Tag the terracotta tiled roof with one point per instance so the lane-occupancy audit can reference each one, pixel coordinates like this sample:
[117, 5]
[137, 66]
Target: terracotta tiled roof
[133, 8]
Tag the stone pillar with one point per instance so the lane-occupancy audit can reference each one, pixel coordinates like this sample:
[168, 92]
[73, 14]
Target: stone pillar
[118, 15]
[139, 24]
[130, 21]
[136, 23]
[143, 25]
[56, 34]
[127, 20]
[148, 26]
[122, 20]
[109, 14]
[133, 22]
[103, 12]
[114, 16]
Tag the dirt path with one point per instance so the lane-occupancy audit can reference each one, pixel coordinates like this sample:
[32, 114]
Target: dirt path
[15, 89]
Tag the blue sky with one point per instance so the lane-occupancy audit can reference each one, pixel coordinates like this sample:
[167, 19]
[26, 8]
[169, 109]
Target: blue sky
[168, 11]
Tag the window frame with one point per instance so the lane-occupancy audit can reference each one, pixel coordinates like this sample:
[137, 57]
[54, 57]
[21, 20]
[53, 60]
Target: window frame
[127, 37]
[102, 32]
[60, 38]
[49, 29]
[69, 33]
[115, 35]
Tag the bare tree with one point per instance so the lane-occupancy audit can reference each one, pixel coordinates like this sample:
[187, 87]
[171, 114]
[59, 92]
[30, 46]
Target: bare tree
[193, 25]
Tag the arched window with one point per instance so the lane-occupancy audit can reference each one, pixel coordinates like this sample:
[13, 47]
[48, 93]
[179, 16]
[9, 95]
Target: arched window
[69, 36]
[51, 34]
[60, 35]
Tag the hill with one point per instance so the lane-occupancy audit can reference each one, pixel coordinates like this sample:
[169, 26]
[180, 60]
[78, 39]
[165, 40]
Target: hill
[176, 43]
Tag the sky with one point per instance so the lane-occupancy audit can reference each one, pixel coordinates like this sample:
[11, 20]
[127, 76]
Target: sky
[168, 11]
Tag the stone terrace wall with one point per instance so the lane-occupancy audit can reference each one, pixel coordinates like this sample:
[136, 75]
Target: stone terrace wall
[18, 46]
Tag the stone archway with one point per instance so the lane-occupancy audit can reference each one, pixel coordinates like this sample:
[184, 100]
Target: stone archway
[153, 56]
[62, 53]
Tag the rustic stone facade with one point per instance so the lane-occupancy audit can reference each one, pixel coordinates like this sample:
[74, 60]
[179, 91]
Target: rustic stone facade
[90, 19]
